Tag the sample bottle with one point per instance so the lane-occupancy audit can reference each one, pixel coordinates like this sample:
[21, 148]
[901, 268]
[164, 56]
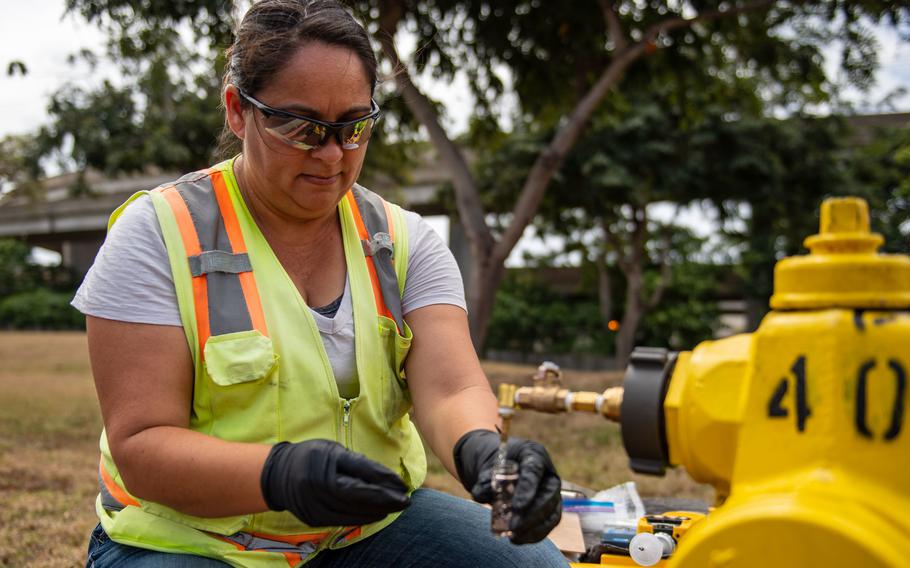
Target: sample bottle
[504, 480]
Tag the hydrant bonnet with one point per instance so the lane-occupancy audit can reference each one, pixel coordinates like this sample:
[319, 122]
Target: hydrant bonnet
[843, 269]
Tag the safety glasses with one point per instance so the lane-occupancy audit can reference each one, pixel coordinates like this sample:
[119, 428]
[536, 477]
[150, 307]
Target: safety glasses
[307, 133]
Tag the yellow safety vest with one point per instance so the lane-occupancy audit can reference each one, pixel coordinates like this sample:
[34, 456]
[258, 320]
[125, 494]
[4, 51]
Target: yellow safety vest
[261, 372]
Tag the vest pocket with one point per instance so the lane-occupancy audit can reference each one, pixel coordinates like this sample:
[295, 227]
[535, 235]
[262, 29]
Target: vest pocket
[243, 369]
[396, 399]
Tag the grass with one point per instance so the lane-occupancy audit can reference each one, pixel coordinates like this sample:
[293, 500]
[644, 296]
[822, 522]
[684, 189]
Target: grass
[49, 426]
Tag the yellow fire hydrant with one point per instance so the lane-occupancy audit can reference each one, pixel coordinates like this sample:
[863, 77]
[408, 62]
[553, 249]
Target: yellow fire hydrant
[799, 426]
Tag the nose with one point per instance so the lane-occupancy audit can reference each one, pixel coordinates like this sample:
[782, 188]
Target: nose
[330, 152]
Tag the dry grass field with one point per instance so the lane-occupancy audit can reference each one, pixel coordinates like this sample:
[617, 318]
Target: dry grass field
[49, 426]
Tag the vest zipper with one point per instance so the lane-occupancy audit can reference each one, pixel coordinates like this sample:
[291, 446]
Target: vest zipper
[347, 436]
[348, 441]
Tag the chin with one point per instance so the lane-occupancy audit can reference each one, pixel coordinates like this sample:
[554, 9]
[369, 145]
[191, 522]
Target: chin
[318, 198]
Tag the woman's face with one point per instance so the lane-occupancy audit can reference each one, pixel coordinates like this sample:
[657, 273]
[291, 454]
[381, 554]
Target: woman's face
[319, 81]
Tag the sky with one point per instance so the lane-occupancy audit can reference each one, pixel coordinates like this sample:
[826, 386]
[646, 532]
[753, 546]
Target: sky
[33, 32]
[36, 33]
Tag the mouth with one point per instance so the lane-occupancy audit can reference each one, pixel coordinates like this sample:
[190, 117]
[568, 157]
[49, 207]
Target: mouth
[320, 179]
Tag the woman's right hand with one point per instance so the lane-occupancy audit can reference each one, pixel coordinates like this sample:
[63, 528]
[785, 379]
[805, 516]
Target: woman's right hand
[324, 484]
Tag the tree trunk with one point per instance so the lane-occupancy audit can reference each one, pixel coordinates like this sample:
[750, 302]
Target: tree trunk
[604, 292]
[625, 338]
[488, 252]
[631, 262]
[760, 260]
[481, 295]
[604, 284]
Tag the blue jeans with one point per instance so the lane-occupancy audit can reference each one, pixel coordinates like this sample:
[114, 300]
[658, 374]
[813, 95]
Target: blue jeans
[437, 530]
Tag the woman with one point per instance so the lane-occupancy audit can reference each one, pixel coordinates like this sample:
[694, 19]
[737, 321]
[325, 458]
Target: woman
[259, 330]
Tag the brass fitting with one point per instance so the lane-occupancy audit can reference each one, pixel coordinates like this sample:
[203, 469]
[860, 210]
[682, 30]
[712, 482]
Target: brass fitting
[550, 399]
[548, 395]
[611, 403]
[507, 396]
[554, 400]
[548, 375]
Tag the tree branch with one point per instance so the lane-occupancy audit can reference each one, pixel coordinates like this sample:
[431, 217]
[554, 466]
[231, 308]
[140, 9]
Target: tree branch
[467, 197]
[549, 161]
[614, 26]
[671, 24]
[551, 158]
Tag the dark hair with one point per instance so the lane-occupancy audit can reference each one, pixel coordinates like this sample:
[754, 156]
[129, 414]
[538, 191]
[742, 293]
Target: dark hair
[272, 30]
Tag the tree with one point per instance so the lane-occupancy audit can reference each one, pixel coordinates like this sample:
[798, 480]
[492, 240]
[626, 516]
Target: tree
[599, 206]
[164, 111]
[574, 56]
[16, 274]
[689, 312]
[772, 175]
[531, 318]
[19, 165]
[880, 172]
[32, 296]
[640, 149]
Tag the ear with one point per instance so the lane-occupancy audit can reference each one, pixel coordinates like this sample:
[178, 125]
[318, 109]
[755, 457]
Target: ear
[233, 109]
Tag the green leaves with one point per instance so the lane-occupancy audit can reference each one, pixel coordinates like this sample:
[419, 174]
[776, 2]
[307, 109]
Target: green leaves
[16, 66]
[153, 121]
[19, 164]
[140, 30]
[880, 172]
[531, 318]
[31, 296]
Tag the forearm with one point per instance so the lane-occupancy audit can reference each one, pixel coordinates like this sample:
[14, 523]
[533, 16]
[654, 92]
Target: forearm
[451, 394]
[453, 415]
[192, 472]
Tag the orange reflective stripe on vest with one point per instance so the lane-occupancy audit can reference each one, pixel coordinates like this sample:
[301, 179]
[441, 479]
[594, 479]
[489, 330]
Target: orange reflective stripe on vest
[232, 226]
[222, 275]
[191, 244]
[373, 220]
[293, 546]
[113, 496]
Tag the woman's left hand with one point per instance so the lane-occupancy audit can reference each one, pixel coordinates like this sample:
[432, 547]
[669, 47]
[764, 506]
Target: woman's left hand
[537, 504]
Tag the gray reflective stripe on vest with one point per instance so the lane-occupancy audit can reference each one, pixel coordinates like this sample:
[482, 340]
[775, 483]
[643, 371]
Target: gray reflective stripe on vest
[219, 261]
[250, 542]
[227, 305]
[107, 500]
[381, 248]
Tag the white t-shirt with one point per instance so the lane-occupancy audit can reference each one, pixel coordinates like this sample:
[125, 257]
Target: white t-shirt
[131, 281]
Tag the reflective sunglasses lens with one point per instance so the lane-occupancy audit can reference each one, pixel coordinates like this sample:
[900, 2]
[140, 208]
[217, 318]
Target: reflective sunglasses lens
[296, 132]
[307, 135]
[353, 135]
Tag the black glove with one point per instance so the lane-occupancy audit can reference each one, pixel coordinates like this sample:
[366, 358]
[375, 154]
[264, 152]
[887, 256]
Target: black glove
[324, 484]
[537, 504]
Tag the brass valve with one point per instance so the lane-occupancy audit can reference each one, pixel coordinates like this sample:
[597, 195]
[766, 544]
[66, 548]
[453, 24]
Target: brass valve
[548, 395]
